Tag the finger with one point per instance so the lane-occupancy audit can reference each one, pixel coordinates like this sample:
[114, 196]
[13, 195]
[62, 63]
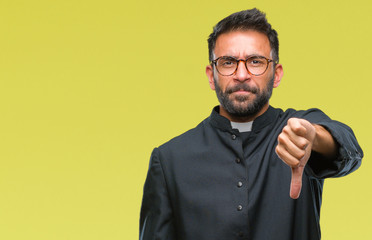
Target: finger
[297, 125]
[295, 145]
[286, 157]
[296, 182]
[300, 141]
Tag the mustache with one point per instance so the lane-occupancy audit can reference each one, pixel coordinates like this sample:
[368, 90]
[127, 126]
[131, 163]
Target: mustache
[241, 86]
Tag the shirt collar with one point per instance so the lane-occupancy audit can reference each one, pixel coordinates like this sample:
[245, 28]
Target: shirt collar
[242, 126]
[224, 124]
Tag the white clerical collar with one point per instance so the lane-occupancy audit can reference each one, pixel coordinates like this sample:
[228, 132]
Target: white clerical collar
[242, 127]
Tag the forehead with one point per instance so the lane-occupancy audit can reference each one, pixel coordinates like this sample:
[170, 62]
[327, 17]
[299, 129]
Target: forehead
[242, 44]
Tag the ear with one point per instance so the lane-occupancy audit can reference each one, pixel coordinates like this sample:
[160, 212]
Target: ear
[209, 72]
[278, 74]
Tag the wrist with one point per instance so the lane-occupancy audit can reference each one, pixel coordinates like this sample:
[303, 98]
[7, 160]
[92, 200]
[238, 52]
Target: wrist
[323, 142]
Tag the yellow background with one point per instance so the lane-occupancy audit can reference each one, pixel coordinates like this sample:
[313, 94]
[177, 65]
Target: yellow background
[88, 88]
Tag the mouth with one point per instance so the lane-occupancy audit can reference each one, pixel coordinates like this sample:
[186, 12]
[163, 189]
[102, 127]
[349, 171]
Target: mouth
[241, 91]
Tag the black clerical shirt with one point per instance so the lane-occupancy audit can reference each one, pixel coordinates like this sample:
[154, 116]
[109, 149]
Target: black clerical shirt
[207, 185]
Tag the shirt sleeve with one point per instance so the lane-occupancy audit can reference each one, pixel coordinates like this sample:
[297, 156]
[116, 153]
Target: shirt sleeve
[156, 213]
[349, 156]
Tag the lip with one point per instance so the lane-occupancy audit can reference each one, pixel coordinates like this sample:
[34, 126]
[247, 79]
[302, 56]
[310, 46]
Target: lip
[242, 92]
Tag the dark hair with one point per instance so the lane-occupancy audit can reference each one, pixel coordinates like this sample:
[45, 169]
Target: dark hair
[252, 19]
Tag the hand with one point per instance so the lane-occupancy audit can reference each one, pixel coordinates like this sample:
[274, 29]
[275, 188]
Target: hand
[294, 148]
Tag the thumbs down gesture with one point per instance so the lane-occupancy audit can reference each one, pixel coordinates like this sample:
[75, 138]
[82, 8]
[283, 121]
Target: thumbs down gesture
[295, 144]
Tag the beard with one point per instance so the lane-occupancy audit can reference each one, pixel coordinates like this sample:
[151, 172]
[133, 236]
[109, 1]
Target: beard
[244, 106]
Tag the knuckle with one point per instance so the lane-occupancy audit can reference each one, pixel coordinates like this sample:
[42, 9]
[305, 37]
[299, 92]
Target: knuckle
[278, 150]
[293, 163]
[280, 153]
[303, 143]
[286, 129]
[301, 154]
[282, 139]
[297, 128]
[291, 120]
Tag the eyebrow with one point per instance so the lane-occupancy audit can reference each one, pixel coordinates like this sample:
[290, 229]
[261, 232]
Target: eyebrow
[246, 57]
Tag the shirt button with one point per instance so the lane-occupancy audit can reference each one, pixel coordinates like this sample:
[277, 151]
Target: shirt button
[240, 184]
[237, 160]
[233, 137]
[240, 207]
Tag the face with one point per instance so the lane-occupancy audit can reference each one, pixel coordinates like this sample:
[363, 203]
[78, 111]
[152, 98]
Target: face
[242, 95]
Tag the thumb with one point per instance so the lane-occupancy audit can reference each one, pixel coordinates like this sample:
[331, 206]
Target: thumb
[296, 182]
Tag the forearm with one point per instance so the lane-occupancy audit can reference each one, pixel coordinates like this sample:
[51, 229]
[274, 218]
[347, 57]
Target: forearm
[324, 143]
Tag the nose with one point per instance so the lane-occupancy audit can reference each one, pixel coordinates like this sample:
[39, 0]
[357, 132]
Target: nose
[242, 73]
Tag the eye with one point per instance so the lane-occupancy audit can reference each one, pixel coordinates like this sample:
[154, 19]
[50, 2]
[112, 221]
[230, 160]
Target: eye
[256, 61]
[227, 62]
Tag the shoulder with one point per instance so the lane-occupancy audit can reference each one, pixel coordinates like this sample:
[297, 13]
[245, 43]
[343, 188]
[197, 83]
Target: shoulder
[187, 140]
[313, 115]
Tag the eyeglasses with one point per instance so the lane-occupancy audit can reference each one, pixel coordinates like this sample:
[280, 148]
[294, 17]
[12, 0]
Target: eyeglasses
[255, 65]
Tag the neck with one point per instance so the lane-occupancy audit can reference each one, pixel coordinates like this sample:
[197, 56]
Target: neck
[240, 119]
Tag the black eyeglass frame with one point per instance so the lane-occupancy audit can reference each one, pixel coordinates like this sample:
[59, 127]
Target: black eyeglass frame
[214, 62]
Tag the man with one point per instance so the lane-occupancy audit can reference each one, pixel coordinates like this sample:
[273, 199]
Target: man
[249, 171]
